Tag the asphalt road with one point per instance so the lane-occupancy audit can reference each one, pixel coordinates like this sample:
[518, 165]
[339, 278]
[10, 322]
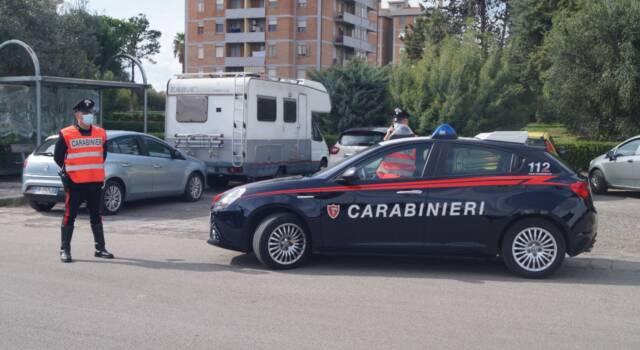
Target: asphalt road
[168, 289]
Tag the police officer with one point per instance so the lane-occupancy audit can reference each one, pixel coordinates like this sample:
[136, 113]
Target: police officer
[400, 127]
[400, 164]
[81, 151]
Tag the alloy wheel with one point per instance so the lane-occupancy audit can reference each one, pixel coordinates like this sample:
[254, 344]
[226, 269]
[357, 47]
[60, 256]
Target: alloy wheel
[534, 249]
[112, 197]
[286, 244]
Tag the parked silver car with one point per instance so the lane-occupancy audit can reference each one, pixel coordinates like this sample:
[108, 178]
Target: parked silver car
[138, 166]
[354, 140]
[618, 168]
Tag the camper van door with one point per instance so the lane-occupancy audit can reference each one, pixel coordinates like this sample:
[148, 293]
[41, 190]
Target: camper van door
[303, 144]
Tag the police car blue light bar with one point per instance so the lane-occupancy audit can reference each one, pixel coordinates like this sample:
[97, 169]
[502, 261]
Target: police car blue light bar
[444, 131]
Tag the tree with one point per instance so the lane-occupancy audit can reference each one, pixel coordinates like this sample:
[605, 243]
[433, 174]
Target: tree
[431, 27]
[359, 95]
[178, 48]
[593, 81]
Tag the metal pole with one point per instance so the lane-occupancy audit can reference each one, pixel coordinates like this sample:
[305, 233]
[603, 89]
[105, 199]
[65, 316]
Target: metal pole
[145, 110]
[101, 123]
[38, 110]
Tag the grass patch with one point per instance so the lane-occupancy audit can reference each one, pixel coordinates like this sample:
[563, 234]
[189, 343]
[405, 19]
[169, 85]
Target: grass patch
[558, 131]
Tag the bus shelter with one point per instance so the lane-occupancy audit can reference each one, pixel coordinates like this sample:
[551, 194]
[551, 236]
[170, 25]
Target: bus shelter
[34, 107]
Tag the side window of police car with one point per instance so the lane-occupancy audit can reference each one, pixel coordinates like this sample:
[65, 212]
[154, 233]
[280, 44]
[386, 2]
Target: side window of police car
[395, 164]
[468, 160]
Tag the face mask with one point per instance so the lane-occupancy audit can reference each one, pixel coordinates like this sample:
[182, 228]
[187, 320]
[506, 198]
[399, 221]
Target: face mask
[87, 119]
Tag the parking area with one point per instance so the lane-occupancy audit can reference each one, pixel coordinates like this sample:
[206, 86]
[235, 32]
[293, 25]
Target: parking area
[168, 288]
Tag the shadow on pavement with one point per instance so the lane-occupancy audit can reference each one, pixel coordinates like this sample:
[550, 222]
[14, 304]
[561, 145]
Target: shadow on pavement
[616, 195]
[174, 264]
[470, 270]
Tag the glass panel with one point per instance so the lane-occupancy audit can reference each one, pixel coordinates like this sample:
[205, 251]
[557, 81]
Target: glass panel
[128, 145]
[191, 109]
[403, 163]
[361, 139]
[290, 111]
[471, 160]
[267, 109]
[156, 149]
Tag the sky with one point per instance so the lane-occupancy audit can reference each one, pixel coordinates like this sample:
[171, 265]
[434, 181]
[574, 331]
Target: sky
[167, 16]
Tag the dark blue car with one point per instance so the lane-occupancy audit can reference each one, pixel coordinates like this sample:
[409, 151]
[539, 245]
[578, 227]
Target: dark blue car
[454, 196]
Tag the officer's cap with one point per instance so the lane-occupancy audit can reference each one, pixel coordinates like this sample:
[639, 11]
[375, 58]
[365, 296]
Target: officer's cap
[400, 114]
[85, 106]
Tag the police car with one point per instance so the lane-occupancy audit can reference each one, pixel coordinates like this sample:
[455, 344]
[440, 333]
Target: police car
[465, 196]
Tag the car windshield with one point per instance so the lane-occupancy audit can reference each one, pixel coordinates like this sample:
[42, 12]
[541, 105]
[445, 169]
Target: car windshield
[46, 148]
[362, 138]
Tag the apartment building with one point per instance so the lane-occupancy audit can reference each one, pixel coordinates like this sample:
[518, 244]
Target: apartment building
[392, 23]
[278, 38]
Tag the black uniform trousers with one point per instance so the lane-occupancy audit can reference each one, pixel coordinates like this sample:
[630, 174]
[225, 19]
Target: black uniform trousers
[91, 193]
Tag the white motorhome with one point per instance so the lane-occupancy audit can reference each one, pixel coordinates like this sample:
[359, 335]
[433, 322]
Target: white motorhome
[244, 126]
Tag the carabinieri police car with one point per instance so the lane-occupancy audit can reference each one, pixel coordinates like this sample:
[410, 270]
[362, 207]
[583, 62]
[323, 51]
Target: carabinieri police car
[439, 195]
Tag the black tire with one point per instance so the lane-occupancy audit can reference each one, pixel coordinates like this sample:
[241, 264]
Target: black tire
[542, 263]
[112, 197]
[598, 182]
[42, 207]
[217, 181]
[272, 227]
[194, 188]
[323, 163]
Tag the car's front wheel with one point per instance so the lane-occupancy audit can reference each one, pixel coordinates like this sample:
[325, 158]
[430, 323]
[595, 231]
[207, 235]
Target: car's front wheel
[533, 248]
[281, 242]
[598, 182]
[41, 206]
[112, 197]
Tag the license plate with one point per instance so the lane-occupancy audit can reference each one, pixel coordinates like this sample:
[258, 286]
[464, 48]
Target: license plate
[50, 191]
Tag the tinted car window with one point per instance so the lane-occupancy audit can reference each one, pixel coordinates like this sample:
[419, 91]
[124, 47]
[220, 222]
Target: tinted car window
[628, 149]
[156, 149]
[317, 135]
[360, 139]
[112, 147]
[47, 147]
[128, 145]
[399, 163]
[474, 160]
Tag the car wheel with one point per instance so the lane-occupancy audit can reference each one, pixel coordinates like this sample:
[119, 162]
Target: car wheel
[112, 197]
[598, 182]
[281, 242]
[41, 206]
[533, 248]
[194, 188]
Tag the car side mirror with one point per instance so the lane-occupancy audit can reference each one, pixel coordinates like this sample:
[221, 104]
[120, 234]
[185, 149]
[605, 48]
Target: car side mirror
[175, 154]
[611, 155]
[349, 175]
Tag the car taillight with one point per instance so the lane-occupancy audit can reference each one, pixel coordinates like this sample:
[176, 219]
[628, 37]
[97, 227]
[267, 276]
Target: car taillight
[235, 170]
[334, 150]
[550, 148]
[581, 188]
[217, 197]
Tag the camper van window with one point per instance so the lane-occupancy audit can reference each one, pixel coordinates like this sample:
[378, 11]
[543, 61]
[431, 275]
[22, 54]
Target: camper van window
[290, 111]
[191, 109]
[267, 109]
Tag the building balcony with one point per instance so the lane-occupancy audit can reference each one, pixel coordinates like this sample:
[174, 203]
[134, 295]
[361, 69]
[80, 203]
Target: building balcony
[352, 42]
[244, 37]
[250, 12]
[357, 21]
[368, 3]
[254, 61]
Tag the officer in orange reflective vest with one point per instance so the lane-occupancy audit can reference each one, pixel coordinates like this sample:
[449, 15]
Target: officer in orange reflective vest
[398, 164]
[81, 151]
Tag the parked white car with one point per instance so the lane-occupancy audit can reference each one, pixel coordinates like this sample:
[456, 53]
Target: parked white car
[352, 141]
[618, 168]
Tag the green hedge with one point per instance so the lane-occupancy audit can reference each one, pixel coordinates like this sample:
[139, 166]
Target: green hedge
[330, 139]
[578, 154]
[153, 126]
[135, 116]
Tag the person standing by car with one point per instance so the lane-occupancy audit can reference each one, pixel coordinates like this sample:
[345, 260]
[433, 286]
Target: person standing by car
[398, 164]
[81, 152]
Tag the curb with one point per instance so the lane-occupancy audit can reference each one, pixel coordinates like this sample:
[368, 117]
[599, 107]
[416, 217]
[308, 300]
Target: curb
[12, 201]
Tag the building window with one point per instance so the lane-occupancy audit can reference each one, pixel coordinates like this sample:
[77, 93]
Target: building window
[267, 109]
[200, 52]
[200, 28]
[302, 3]
[272, 73]
[219, 51]
[301, 73]
[302, 50]
[302, 25]
[290, 110]
[200, 5]
[271, 50]
[402, 20]
[219, 5]
[219, 26]
[273, 24]
[273, 3]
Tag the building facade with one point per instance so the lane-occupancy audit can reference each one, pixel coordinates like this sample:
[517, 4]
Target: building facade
[392, 23]
[278, 38]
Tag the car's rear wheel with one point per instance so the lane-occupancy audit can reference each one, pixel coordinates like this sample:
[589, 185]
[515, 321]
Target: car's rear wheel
[281, 242]
[39, 206]
[598, 182]
[112, 197]
[533, 248]
[194, 188]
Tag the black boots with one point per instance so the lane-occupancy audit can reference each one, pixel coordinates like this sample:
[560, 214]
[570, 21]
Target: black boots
[98, 237]
[65, 246]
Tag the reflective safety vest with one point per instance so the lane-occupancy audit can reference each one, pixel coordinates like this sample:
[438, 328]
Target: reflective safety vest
[85, 154]
[398, 165]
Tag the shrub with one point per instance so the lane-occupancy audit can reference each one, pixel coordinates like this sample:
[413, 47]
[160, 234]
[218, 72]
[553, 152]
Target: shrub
[330, 139]
[153, 126]
[578, 154]
[135, 116]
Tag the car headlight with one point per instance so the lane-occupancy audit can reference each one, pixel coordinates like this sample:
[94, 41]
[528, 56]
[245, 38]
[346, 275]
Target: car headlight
[222, 202]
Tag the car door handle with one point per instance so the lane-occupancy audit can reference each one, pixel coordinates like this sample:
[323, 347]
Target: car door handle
[125, 164]
[305, 197]
[629, 160]
[157, 166]
[410, 192]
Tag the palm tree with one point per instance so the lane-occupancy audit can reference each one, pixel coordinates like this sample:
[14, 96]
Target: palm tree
[178, 48]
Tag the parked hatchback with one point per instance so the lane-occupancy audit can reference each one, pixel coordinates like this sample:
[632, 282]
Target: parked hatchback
[138, 166]
[618, 168]
[352, 141]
